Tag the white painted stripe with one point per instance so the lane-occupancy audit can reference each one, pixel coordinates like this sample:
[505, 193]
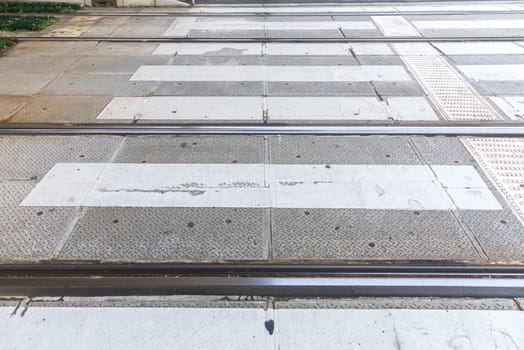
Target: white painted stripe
[261, 186]
[276, 49]
[224, 108]
[494, 72]
[471, 24]
[479, 48]
[449, 7]
[182, 26]
[394, 26]
[348, 108]
[312, 326]
[270, 73]
[209, 49]
[512, 106]
[212, 108]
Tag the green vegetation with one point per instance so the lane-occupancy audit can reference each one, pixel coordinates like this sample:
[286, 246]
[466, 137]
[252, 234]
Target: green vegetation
[6, 43]
[40, 7]
[24, 23]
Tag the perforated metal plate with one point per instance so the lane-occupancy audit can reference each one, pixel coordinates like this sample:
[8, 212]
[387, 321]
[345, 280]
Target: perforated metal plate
[454, 97]
[503, 161]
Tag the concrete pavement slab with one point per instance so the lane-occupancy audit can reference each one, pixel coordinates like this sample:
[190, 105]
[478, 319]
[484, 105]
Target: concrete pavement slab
[11, 104]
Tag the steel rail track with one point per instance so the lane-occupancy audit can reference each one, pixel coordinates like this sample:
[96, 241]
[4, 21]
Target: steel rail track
[271, 14]
[441, 280]
[487, 130]
[379, 39]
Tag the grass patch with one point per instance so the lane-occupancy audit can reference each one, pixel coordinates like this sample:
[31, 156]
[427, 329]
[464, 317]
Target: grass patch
[24, 23]
[5, 43]
[37, 7]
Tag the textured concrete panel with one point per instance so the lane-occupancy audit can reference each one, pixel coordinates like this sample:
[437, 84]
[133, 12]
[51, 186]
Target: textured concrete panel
[210, 88]
[176, 234]
[23, 84]
[35, 65]
[123, 49]
[143, 27]
[31, 157]
[55, 49]
[114, 65]
[368, 234]
[226, 34]
[192, 149]
[10, 104]
[341, 150]
[61, 109]
[337, 88]
[98, 84]
[106, 26]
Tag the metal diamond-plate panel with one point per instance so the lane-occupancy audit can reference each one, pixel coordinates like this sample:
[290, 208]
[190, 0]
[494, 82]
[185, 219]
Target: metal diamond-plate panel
[31, 157]
[210, 88]
[192, 149]
[321, 88]
[341, 150]
[357, 234]
[453, 97]
[31, 233]
[502, 159]
[500, 233]
[172, 234]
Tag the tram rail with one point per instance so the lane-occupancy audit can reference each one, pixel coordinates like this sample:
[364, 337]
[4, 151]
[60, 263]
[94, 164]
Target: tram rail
[441, 280]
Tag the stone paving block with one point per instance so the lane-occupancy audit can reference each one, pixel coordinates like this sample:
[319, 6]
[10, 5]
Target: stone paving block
[99, 84]
[337, 234]
[304, 88]
[10, 104]
[35, 65]
[211, 88]
[192, 149]
[31, 157]
[169, 234]
[61, 109]
[361, 33]
[341, 150]
[23, 84]
[114, 65]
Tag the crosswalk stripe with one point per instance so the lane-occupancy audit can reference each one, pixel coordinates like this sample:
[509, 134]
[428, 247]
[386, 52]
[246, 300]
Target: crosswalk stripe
[182, 26]
[263, 186]
[471, 24]
[512, 106]
[394, 26]
[270, 73]
[242, 108]
[509, 72]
